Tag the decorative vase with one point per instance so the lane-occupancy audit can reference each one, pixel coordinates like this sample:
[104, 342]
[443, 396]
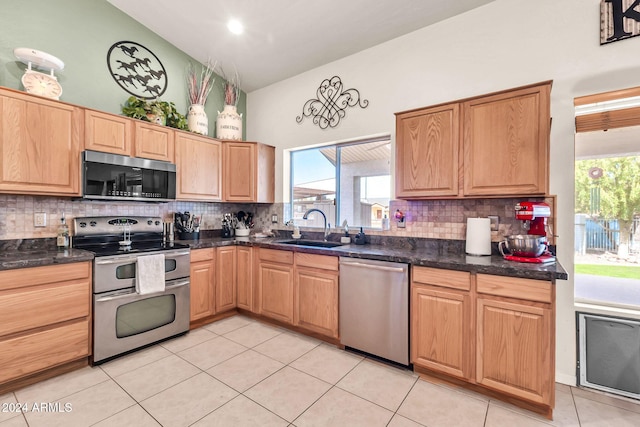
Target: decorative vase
[229, 124]
[197, 120]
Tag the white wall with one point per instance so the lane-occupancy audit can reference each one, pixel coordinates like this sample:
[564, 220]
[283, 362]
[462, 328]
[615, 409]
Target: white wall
[505, 44]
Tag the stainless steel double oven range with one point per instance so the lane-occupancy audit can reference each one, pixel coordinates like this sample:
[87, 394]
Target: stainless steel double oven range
[124, 320]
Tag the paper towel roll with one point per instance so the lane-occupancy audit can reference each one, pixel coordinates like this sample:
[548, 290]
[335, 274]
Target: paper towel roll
[478, 236]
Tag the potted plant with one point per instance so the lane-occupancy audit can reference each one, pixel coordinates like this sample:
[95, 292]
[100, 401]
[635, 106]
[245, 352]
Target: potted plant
[154, 111]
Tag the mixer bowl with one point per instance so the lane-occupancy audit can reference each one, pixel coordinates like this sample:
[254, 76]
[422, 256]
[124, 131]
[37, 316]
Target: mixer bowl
[525, 245]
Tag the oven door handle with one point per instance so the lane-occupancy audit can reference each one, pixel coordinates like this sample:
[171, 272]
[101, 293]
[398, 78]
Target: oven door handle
[115, 260]
[127, 294]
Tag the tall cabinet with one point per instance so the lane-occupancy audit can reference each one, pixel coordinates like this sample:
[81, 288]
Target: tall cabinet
[40, 144]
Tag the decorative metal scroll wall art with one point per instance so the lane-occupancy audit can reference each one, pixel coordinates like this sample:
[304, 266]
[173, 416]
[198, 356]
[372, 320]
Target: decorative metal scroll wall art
[329, 107]
[137, 70]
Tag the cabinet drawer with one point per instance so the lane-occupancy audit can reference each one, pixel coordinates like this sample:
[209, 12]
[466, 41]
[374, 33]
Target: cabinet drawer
[439, 277]
[202, 255]
[31, 353]
[24, 277]
[513, 287]
[274, 255]
[325, 262]
[34, 307]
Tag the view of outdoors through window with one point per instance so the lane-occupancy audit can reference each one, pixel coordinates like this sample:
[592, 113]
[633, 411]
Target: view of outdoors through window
[348, 182]
[607, 217]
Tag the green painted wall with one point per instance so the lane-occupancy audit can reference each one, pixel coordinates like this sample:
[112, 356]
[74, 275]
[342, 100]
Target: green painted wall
[80, 32]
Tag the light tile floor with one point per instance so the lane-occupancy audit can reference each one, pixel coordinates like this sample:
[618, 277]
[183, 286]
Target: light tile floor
[240, 372]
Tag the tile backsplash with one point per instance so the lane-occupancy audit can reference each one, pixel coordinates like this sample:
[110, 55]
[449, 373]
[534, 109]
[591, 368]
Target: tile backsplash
[440, 219]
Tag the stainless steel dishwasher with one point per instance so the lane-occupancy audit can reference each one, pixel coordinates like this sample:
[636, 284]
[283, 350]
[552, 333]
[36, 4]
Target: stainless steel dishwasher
[374, 308]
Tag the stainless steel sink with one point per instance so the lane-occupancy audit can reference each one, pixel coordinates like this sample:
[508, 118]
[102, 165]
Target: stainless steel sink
[313, 243]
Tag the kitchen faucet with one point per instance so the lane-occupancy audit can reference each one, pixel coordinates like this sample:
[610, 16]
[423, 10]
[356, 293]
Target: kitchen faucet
[326, 233]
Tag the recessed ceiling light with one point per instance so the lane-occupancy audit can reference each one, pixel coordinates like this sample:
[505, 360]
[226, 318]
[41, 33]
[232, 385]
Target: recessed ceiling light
[235, 26]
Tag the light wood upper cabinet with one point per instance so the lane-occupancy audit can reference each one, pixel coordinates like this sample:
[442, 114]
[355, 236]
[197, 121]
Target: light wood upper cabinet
[33, 337]
[115, 134]
[108, 133]
[203, 299]
[40, 145]
[226, 276]
[198, 167]
[492, 145]
[154, 141]
[442, 329]
[248, 172]
[316, 293]
[244, 296]
[427, 145]
[506, 143]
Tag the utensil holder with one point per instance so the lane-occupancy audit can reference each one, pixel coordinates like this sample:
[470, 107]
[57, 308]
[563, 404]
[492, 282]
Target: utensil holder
[184, 235]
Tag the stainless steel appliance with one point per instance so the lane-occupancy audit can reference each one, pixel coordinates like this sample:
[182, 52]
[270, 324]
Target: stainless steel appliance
[374, 308]
[114, 177]
[124, 320]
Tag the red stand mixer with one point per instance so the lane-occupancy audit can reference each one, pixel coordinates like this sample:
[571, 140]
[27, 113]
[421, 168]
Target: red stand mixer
[533, 246]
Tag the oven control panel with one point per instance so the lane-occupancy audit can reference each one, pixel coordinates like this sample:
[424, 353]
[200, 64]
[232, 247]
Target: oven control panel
[86, 226]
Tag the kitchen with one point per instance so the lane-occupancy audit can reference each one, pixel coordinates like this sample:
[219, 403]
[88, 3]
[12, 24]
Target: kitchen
[557, 45]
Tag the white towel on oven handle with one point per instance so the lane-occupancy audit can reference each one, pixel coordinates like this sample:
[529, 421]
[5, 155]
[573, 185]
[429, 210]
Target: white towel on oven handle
[150, 274]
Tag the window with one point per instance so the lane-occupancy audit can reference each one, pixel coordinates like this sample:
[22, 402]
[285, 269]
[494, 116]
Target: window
[348, 182]
[607, 203]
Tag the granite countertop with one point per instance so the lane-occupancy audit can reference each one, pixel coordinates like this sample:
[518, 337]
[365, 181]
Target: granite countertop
[423, 252]
[446, 254]
[10, 259]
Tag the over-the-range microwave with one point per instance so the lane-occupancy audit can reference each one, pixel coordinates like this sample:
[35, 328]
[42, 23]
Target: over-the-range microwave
[115, 177]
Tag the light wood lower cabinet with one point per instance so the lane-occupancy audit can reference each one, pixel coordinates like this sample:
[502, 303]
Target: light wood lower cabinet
[203, 299]
[515, 350]
[244, 279]
[441, 329]
[33, 336]
[275, 284]
[316, 293]
[494, 331]
[226, 278]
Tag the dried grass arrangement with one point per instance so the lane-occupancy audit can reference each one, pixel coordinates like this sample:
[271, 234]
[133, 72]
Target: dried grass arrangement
[199, 89]
[231, 89]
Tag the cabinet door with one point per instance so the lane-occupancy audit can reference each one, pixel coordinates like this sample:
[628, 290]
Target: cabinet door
[40, 143]
[275, 291]
[316, 300]
[108, 133]
[239, 176]
[506, 143]
[199, 167]
[202, 284]
[226, 278]
[427, 145]
[514, 349]
[154, 141]
[441, 330]
[244, 280]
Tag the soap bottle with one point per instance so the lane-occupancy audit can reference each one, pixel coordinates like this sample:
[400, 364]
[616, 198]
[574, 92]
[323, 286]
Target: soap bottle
[360, 238]
[62, 240]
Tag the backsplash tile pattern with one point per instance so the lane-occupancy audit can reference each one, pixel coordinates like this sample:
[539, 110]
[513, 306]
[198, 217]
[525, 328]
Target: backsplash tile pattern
[17, 212]
[439, 219]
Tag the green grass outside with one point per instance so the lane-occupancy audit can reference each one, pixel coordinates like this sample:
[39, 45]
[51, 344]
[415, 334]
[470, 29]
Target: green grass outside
[629, 272]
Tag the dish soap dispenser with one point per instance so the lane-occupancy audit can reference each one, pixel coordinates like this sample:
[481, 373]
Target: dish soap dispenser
[62, 240]
[360, 238]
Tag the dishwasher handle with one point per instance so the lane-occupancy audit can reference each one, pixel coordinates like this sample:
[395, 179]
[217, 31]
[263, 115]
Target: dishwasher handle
[374, 267]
